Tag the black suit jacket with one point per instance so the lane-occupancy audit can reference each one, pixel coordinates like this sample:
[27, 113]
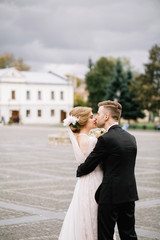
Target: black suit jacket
[117, 151]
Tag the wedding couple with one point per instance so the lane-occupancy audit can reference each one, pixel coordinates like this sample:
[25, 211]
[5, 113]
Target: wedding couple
[105, 192]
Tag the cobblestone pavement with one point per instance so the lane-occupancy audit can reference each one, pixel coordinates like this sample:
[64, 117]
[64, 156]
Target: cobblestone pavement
[37, 180]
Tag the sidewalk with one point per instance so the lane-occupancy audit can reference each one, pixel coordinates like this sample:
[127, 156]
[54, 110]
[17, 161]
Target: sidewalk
[37, 182]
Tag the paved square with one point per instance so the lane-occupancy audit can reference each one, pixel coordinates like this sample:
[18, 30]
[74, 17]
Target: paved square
[37, 180]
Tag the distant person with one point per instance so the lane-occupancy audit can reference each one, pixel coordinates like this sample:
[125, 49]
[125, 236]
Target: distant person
[3, 120]
[117, 194]
[80, 222]
[125, 126]
[17, 119]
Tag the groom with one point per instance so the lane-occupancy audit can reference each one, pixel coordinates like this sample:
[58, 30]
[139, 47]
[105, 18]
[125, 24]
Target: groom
[117, 194]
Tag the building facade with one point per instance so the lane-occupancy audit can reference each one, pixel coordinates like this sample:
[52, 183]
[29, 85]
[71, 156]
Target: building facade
[33, 97]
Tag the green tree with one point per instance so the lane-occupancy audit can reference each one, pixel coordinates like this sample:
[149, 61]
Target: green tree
[147, 85]
[79, 100]
[119, 90]
[8, 60]
[90, 64]
[113, 91]
[19, 65]
[97, 80]
[131, 108]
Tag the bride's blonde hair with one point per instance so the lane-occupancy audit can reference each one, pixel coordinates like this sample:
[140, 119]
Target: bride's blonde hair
[83, 114]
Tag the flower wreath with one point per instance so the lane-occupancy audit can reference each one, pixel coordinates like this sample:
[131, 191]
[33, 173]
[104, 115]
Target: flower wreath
[71, 120]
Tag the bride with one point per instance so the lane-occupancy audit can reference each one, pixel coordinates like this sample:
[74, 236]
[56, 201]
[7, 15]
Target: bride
[80, 222]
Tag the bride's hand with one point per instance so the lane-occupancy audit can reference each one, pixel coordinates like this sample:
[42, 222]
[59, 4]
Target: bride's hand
[97, 135]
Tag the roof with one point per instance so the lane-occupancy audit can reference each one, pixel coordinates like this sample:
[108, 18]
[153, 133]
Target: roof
[3, 71]
[34, 77]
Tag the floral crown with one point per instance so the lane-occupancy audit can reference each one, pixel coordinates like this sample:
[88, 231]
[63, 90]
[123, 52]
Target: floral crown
[71, 120]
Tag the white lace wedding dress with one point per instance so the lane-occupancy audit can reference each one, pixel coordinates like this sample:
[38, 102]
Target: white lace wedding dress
[80, 222]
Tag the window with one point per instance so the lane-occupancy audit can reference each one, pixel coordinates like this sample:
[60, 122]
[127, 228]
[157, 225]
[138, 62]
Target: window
[13, 95]
[61, 95]
[28, 95]
[28, 112]
[39, 95]
[52, 95]
[39, 113]
[52, 112]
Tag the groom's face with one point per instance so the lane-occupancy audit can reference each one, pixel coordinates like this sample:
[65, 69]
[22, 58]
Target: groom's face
[101, 117]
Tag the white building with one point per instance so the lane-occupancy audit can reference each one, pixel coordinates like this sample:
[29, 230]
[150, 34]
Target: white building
[34, 97]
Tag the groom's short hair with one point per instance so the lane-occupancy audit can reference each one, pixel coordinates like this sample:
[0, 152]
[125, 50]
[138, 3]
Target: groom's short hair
[114, 108]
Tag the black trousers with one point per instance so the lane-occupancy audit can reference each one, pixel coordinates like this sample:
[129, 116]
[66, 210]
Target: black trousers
[123, 215]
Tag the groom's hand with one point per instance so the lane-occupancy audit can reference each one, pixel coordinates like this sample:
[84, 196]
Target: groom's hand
[79, 174]
[92, 161]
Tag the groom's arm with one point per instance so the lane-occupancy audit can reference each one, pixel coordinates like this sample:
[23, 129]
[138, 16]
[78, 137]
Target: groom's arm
[93, 159]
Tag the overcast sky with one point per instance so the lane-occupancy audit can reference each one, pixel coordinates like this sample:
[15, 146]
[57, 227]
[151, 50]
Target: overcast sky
[61, 35]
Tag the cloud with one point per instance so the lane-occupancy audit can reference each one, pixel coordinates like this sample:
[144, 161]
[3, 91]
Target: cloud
[69, 32]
